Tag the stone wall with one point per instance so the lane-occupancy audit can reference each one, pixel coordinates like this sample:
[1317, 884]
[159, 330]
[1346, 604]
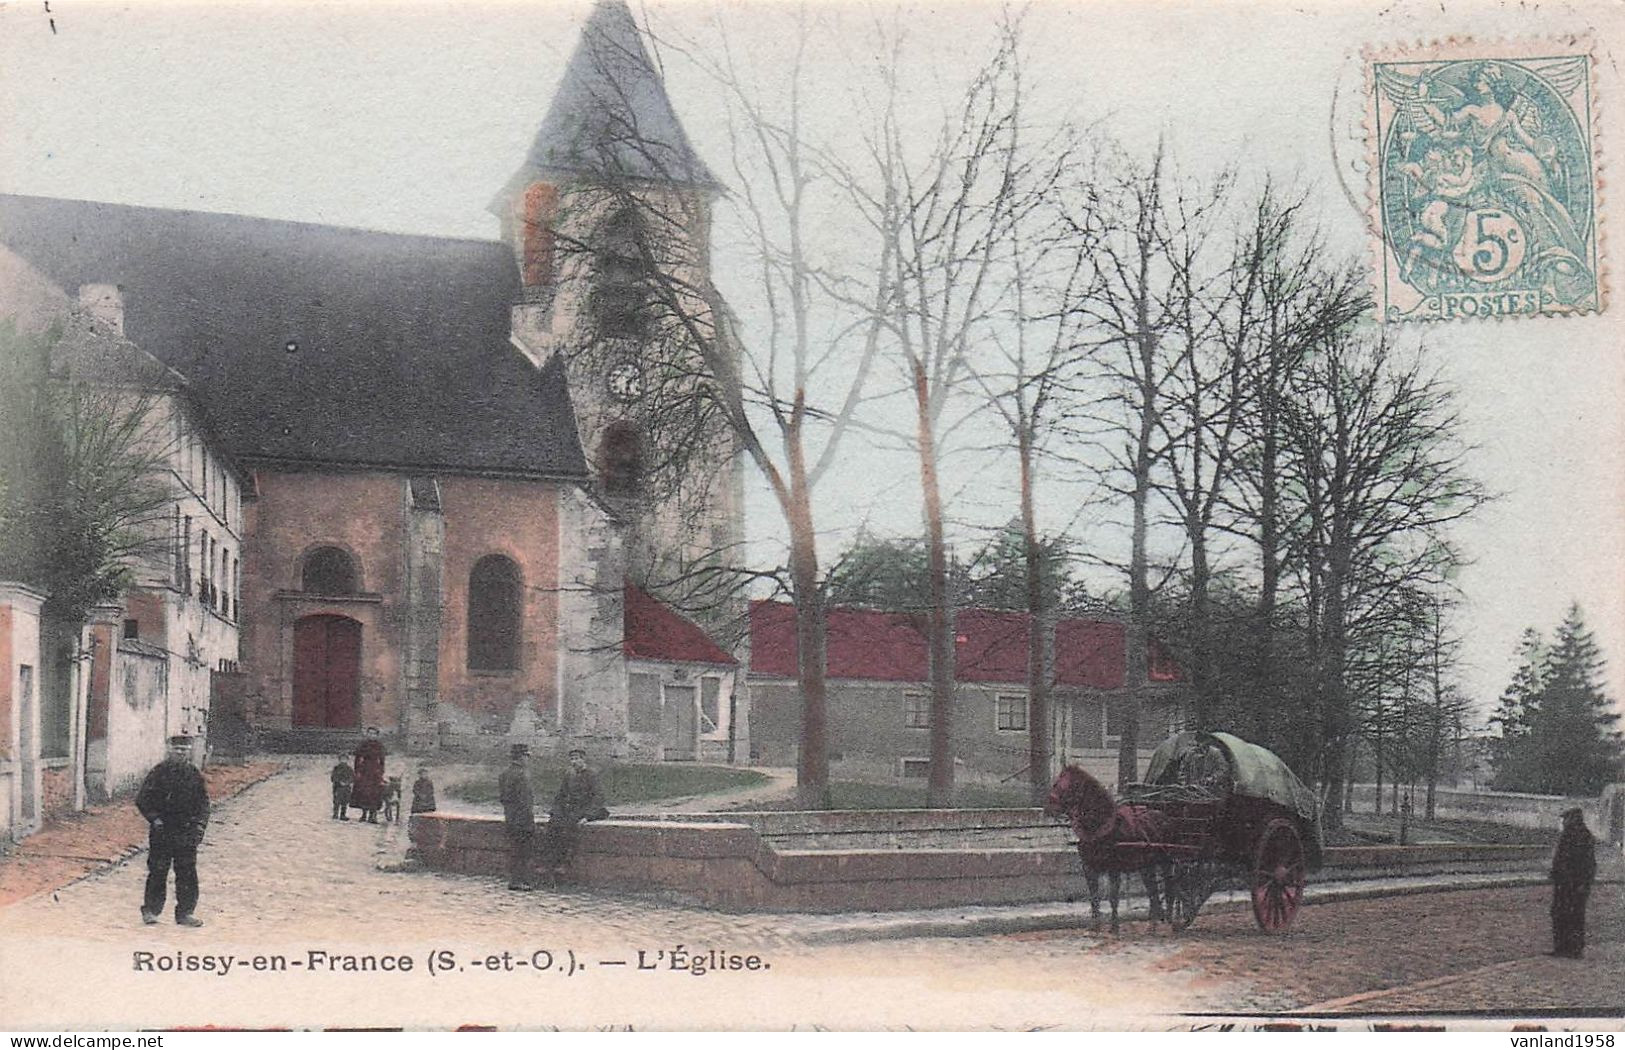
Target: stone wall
[1501, 807]
[137, 734]
[20, 781]
[721, 862]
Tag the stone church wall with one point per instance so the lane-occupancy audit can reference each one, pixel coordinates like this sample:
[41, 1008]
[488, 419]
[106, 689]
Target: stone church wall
[295, 513]
[518, 520]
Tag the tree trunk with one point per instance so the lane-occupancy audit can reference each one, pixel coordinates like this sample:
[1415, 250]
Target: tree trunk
[940, 786]
[1201, 633]
[812, 766]
[1039, 746]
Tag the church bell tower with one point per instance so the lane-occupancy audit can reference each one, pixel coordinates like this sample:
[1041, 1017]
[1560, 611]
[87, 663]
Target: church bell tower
[609, 222]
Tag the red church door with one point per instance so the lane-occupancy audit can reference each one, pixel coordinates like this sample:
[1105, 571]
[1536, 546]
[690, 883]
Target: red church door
[326, 672]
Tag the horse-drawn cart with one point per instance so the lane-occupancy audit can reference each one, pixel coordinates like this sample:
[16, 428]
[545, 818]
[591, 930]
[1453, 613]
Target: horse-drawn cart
[1214, 810]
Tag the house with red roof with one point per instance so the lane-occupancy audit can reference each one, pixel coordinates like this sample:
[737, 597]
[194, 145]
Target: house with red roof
[879, 694]
[682, 704]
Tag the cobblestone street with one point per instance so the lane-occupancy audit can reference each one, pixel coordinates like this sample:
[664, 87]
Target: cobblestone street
[281, 878]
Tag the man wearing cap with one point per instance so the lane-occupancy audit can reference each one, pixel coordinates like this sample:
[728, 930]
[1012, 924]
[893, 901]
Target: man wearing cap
[519, 817]
[578, 799]
[1574, 866]
[175, 802]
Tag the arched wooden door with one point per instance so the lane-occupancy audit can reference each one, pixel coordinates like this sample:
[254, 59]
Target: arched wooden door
[326, 672]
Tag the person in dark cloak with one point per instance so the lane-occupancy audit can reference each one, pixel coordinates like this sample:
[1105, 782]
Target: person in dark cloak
[578, 799]
[423, 792]
[343, 779]
[175, 801]
[1574, 866]
[368, 793]
[518, 817]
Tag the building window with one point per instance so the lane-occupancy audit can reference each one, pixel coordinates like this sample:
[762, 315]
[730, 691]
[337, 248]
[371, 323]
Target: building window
[203, 565]
[916, 711]
[494, 607]
[132, 630]
[179, 551]
[916, 768]
[620, 459]
[328, 570]
[1010, 713]
[541, 208]
[185, 581]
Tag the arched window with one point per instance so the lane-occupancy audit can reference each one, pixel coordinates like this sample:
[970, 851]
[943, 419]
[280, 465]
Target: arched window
[495, 592]
[620, 459]
[328, 570]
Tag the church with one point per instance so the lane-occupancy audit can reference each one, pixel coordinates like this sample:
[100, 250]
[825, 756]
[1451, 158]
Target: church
[478, 494]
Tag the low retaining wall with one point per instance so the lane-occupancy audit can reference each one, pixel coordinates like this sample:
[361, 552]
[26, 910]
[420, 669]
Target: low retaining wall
[728, 864]
[1507, 807]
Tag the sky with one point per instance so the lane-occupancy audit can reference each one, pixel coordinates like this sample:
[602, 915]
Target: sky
[410, 116]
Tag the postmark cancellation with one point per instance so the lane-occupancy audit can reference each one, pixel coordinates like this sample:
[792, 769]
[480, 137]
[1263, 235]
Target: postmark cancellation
[1485, 180]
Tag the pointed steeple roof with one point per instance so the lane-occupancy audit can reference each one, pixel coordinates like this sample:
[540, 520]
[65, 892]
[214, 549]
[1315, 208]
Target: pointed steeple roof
[611, 116]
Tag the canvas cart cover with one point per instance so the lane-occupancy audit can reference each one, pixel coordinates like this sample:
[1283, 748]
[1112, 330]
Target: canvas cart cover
[1256, 772]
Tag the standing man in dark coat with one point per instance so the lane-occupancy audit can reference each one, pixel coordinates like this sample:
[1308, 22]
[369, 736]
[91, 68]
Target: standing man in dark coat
[175, 802]
[578, 799]
[1574, 866]
[368, 793]
[519, 817]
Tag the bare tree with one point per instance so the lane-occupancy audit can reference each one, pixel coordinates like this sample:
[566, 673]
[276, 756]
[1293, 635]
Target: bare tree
[944, 217]
[1378, 461]
[1291, 295]
[1024, 374]
[1121, 230]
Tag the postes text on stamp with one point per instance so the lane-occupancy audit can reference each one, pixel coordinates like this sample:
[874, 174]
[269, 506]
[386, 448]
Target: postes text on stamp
[1485, 169]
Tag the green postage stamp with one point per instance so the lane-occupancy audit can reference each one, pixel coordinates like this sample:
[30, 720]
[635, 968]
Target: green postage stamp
[1486, 184]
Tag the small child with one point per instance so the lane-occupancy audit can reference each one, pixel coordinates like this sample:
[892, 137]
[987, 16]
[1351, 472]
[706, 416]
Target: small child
[423, 792]
[343, 778]
[392, 800]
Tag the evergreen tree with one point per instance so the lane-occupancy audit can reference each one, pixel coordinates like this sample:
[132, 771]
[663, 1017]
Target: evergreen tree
[1558, 730]
[1573, 732]
[1514, 713]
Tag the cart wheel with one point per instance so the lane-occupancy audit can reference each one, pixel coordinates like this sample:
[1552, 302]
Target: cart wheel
[1278, 876]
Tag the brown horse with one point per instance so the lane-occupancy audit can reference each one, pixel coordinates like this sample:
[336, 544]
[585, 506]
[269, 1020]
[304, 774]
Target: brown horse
[1112, 839]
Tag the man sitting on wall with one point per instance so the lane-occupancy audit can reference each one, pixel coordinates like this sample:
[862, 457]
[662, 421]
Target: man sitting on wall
[578, 799]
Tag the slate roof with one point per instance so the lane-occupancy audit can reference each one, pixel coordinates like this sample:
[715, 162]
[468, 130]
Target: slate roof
[320, 344]
[611, 115]
[652, 631]
[990, 647]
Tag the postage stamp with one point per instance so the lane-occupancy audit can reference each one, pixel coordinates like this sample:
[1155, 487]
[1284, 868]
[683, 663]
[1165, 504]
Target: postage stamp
[1485, 180]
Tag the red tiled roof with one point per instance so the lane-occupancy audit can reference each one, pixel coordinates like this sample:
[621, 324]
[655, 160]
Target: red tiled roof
[654, 632]
[990, 647]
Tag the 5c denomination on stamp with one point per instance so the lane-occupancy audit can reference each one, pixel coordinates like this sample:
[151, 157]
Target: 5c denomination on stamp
[1486, 183]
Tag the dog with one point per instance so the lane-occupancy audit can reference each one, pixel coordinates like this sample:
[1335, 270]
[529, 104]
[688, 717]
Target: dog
[392, 800]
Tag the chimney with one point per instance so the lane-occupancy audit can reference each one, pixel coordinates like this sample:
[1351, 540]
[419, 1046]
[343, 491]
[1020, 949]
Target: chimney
[105, 305]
